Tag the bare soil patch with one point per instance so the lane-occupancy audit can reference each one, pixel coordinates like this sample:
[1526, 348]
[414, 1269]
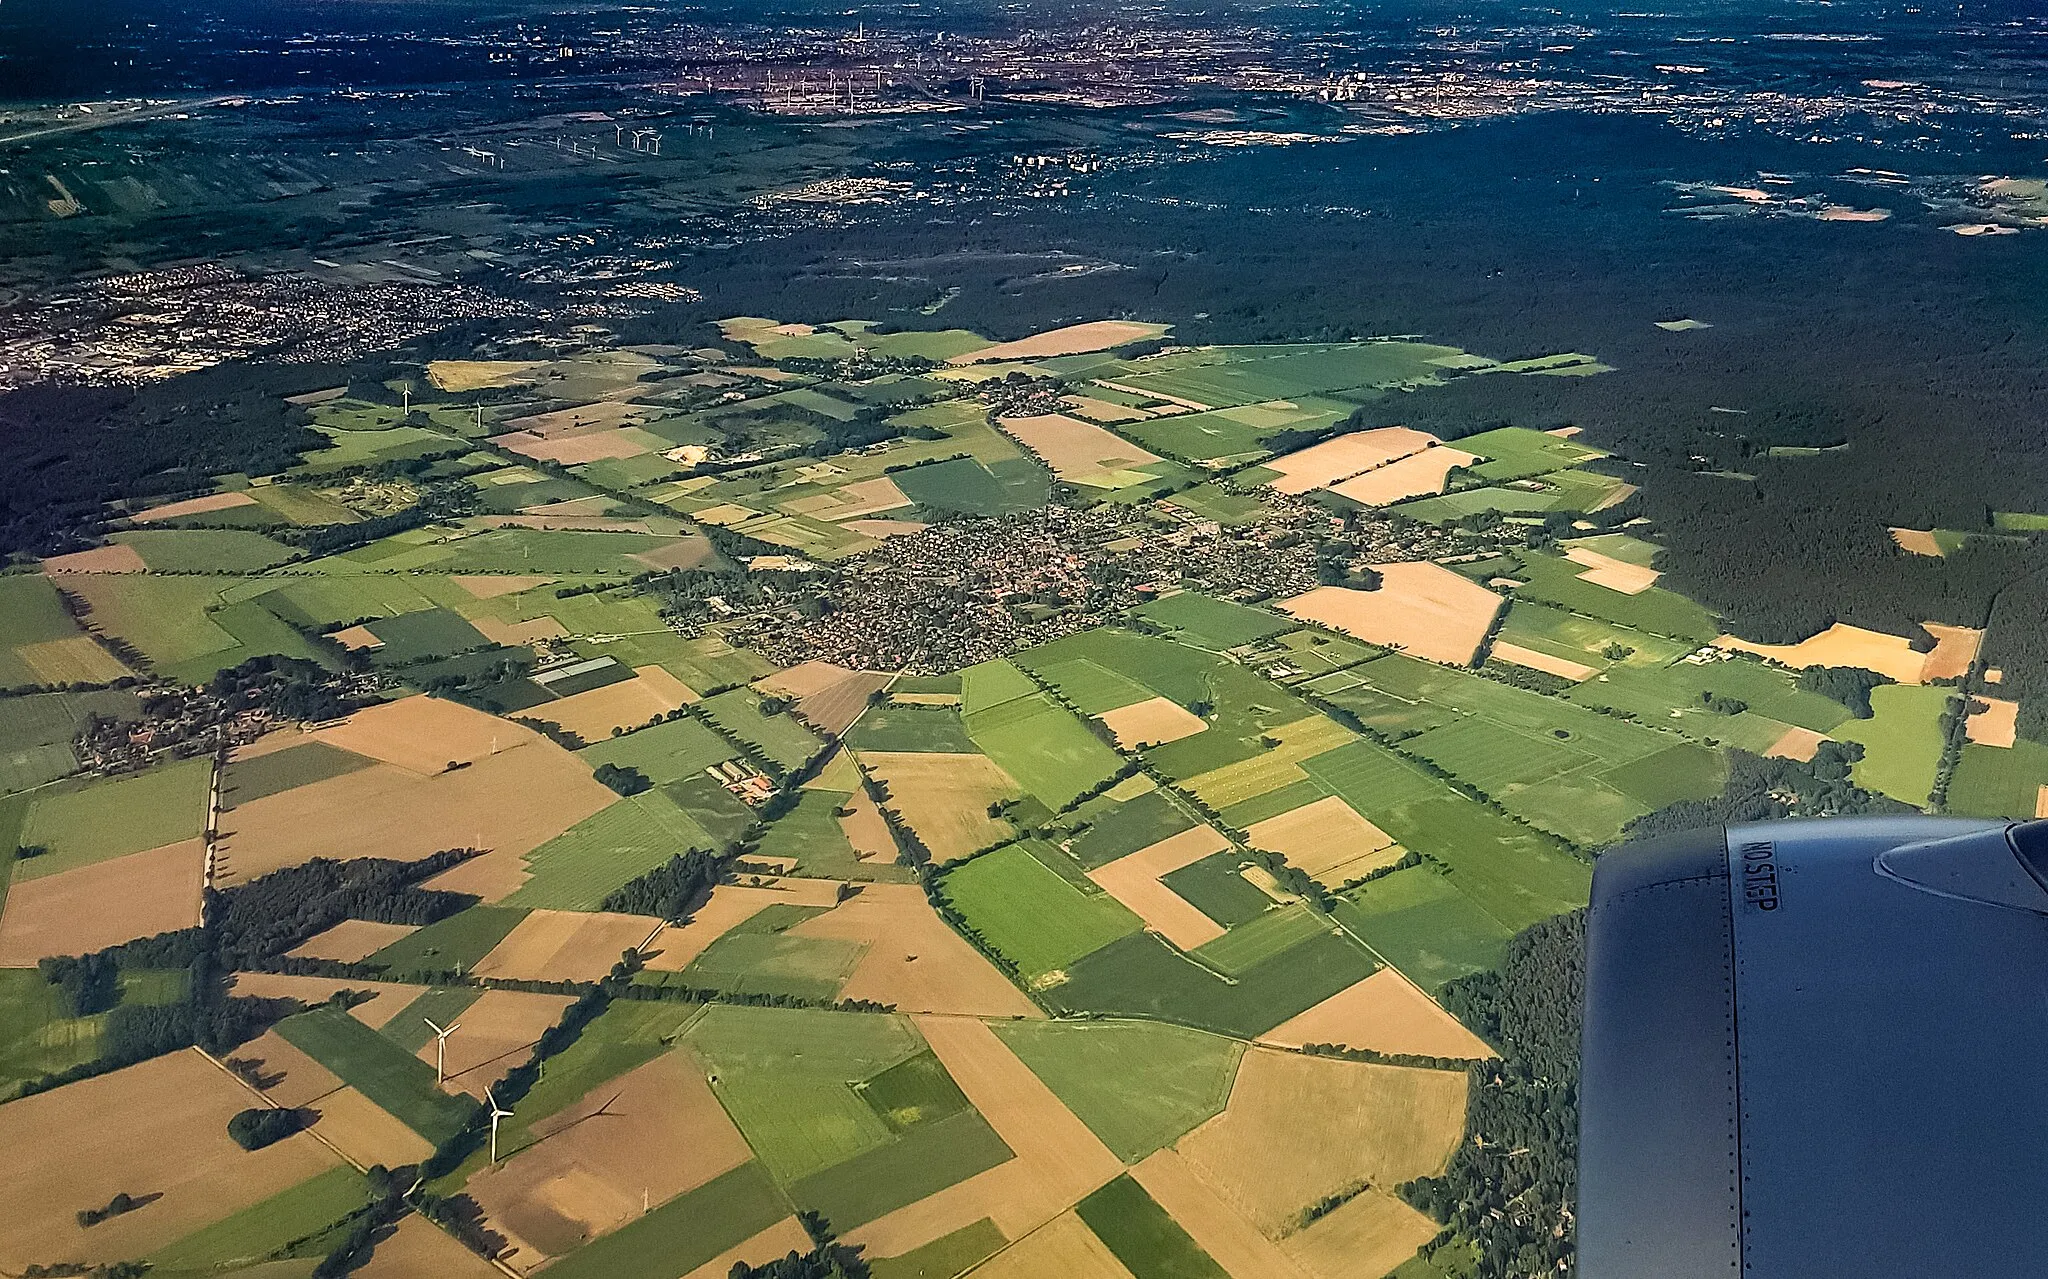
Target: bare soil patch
[656, 1131]
[418, 1248]
[300, 1080]
[158, 1128]
[115, 557]
[565, 945]
[1563, 668]
[423, 733]
[1220, 1229]
[388, 998]
[867, 830]
[1615, 575]
[627, 704]
[79, 911]
[1386, 1013]
[1423, 609]
[475, 375]
[1369, 1235]
[1326, 840]
[192, 506]
[1152, 723]
[489, 586]
[495, 1033]
[1134, 881]
[356, 637]
[1917, 541]
[1094, 410]
[684, 552]
[1417, 475]
[1955, 649]
[366, 1132]
[1997, 725]
[580, 419]
[913, 960]
[1074, 339]
[1798, 743]
[1299, 1128]
[830, 697]
[573, 450]
[1321, 465]
[352, 939]
[945, 798]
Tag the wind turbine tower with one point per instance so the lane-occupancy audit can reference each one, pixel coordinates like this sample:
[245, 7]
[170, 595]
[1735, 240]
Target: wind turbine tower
[497, 1113]
[441, 1047]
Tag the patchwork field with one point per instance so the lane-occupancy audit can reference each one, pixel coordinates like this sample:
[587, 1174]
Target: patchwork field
[1135, 881]
[911, 959]
[1138, 1085]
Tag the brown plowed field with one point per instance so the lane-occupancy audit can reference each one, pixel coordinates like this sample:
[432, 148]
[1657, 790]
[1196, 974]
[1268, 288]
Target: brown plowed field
[78, 911]
[1234, 1242]
[1386, 1013]
[565, 945]
[351, 940]
[913, 959]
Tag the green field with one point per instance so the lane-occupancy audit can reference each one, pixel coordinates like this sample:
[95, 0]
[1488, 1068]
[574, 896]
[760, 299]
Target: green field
[1117, 830]
[32, 614]
[163, 617]
[1671, 696]
[1142, 976]
[683, 1233]
[36, 733]
[1214, 887]
[205, 550]
[381, 1070]
[1424, 926]
[944, 1257]
[1997, 781]
[811, 834]
[92, 821]
[457, 942]
[1901, 741]
[1266, 937]
[987, 685]
[925, 1159]
[1094, 688]
[630, 1033]
[245, 781]
[966, 485]
[414, 637]
[1213, 502]
[577, 869]
[1052, 755]
[668, 752]
[1208, 622]
[778, 737]
[1512, 452]
[263, 1228]
[444, 1005]
[1555, 580]
[1039, 920]
[912, 728]
[1158, 666]
[1139, 1086]
[1150, 1243]
[753, 962]
[37, 1035]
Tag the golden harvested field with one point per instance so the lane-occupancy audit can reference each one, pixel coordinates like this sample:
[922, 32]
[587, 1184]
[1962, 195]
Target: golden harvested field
[357, 637]
[513, 634]
[509, 803]
[1087, 406]
[1152, 723]
[1917, 541]
[1387, 1013]
[627, 704]
[1955, 650]
[577, 448]
[388, 998]
[850, 501]
[1134, 881]
[1277, 766]
[830, 697]
[496, 1032]
[1997, 725]
[1074, 449]
[489, 586]
[304, 1080]
[78, 911]
[884, 528]
[1325, 840]
[351, 940]
[1614, 574]
[1841, 645]
[1058, 1160]
[945, 798]
[419, 1248]
[77, 659]
[1064, 1246]
[476, 375]
[565, 945]
[192, 506]
[1370, 1235]
[608, 414]
[1321, 465]
[366, 1132]
[2041, 802]
[1298, 1128]
[1221, 1230]
[913, 960]
[422, 734]
[158, 1128]
[730, 906]
[773, 1244]
[1424, 609]
[116, 557]
[657, 1130]
[866, 829]
[1798, 743]
[1417, 475]
[1561, 667]
[1074, 339]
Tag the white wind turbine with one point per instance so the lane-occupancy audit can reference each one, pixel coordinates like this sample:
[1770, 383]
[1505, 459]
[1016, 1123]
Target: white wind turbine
[441, 1047]
[497, 1113]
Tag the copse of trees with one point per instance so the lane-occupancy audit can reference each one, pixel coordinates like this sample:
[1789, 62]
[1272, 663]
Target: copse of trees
[671, 890]
[623, 779]
[254, 923]
[1849, 685]
[260, 1126]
